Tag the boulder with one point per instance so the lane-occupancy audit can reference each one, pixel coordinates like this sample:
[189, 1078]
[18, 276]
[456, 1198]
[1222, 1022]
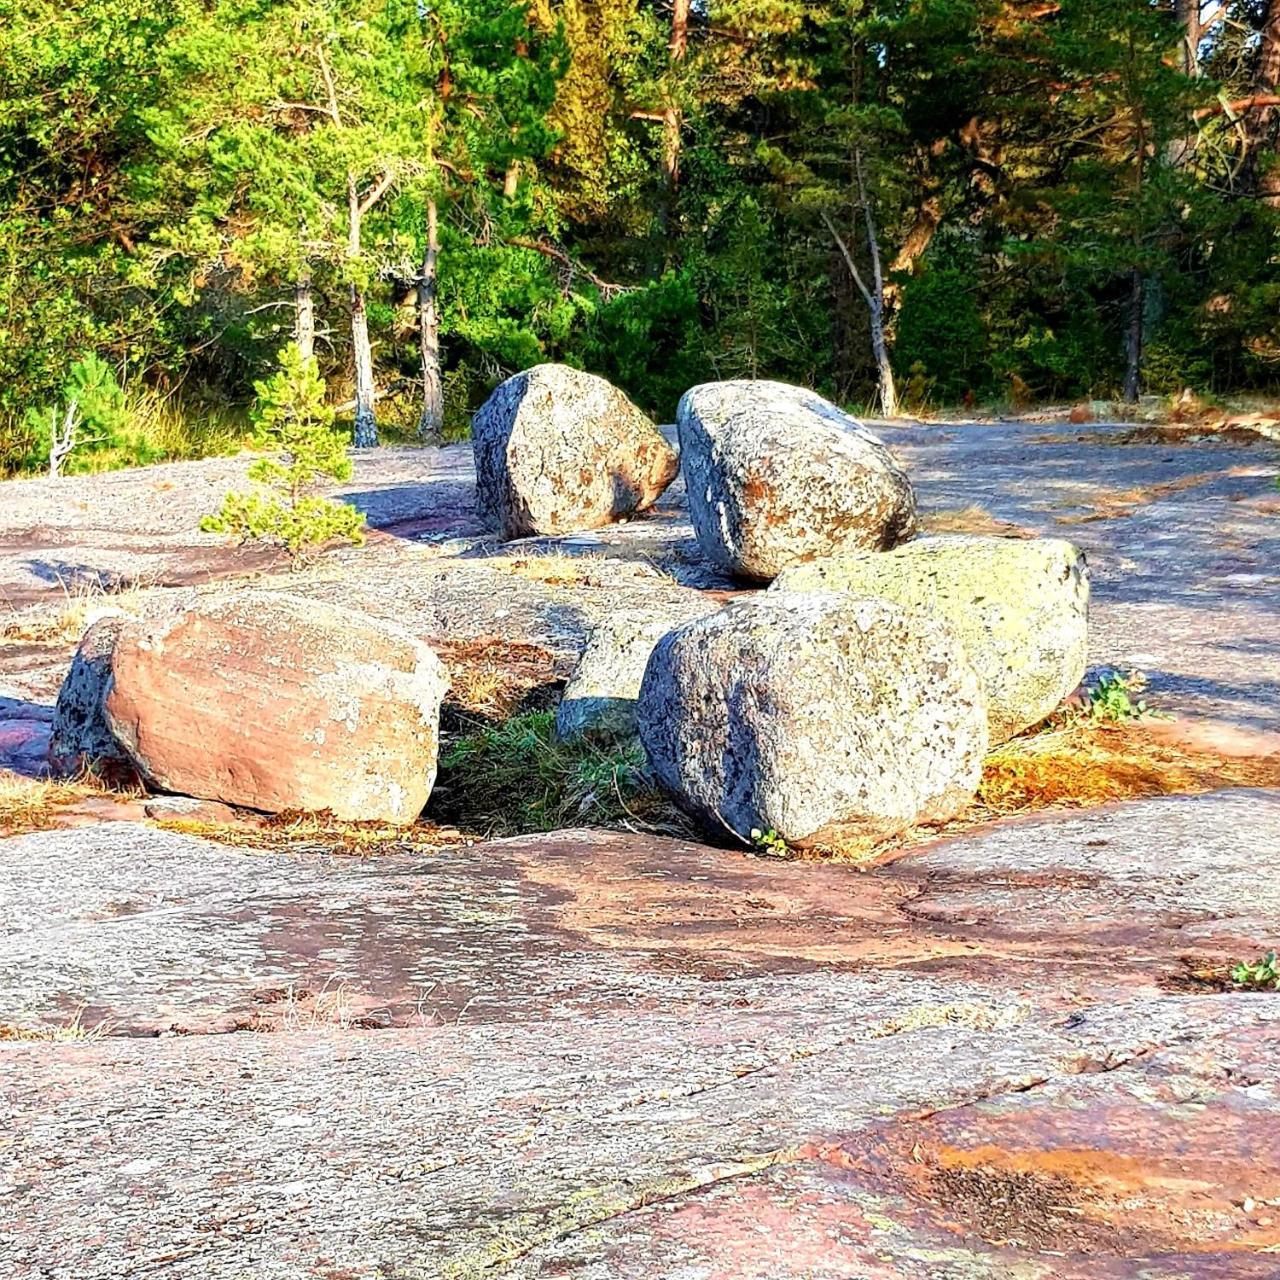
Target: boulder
[777, 474]
[558, 450]
[81, 741]
[261, 701]
[1020, 608]
[600, 698]
[821, 718]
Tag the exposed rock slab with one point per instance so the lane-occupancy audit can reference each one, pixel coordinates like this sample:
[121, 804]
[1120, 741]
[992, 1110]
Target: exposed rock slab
[155, 931]
[615, 1056]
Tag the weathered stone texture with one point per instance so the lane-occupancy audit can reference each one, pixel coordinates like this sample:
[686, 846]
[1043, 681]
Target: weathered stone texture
[559, 450]
[1020, 608]
[819, 717]
[776, 475]
[264, 701]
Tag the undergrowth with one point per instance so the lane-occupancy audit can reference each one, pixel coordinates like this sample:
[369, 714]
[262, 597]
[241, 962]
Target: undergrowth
[518, 777]
[1112, 698]
[1260, 975]
[156, 427]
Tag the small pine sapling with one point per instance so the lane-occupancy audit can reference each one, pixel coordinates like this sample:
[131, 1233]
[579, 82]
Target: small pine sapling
[293, 420]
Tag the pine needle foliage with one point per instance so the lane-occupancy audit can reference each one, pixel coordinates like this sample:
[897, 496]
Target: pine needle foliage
[292, 419]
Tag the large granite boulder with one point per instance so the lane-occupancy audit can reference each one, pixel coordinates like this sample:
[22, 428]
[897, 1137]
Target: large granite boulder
[1020, 608]
[558, 450]
[776, 474]
[600, 699]
[822, 718]
[263, 701]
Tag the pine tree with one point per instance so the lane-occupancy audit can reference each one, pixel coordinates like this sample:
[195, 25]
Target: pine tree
[293, 421]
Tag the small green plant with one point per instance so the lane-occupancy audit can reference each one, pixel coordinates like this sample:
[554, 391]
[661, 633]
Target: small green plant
[292, 418]
[1112, 698]
[1261, 975]
[770, 842]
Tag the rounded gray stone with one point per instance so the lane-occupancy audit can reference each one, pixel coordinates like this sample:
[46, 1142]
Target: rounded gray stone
[558, 450]
[821, 718]
[600, 698]
[776, 475]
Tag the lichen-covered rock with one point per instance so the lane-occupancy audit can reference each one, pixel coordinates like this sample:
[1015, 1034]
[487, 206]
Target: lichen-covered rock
[776, 475]
[559, 450]
[1020, 608]
[262, 701]
[822, 718]
[600, 698]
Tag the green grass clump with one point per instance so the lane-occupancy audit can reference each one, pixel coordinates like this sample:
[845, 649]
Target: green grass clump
[517, 777]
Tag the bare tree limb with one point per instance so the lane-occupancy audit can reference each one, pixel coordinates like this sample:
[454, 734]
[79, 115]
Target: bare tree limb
[848, 258]
[607, 287]
[1254, 102]
[380, 189]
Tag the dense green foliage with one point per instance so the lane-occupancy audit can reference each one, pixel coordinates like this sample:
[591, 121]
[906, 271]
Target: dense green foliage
[976, 199]
[296, 425]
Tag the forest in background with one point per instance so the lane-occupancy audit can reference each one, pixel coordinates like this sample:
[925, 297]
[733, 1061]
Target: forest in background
[897, 202]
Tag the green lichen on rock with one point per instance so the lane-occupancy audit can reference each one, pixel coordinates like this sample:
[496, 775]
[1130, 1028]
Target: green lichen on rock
[1020, 608]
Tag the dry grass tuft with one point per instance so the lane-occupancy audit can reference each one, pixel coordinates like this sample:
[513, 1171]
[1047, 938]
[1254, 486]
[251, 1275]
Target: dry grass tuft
[973, 519]
[556, 568]
[494, 678]
[321, 833]
[83, 600]
[75, 1030]
[1078, 763]
[298, 1009]
[1082, 765]
[33, 804]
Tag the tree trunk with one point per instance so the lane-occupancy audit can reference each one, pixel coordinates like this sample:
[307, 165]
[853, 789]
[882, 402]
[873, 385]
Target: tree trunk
[366, 424]
[304, 323]
[1133, 363]
[1187, 13]
[672, 117]
[884, 369]
[431, 423]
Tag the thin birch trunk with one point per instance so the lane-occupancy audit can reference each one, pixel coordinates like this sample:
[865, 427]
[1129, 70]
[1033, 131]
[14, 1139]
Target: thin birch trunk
[366, 424]
[431, 423]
